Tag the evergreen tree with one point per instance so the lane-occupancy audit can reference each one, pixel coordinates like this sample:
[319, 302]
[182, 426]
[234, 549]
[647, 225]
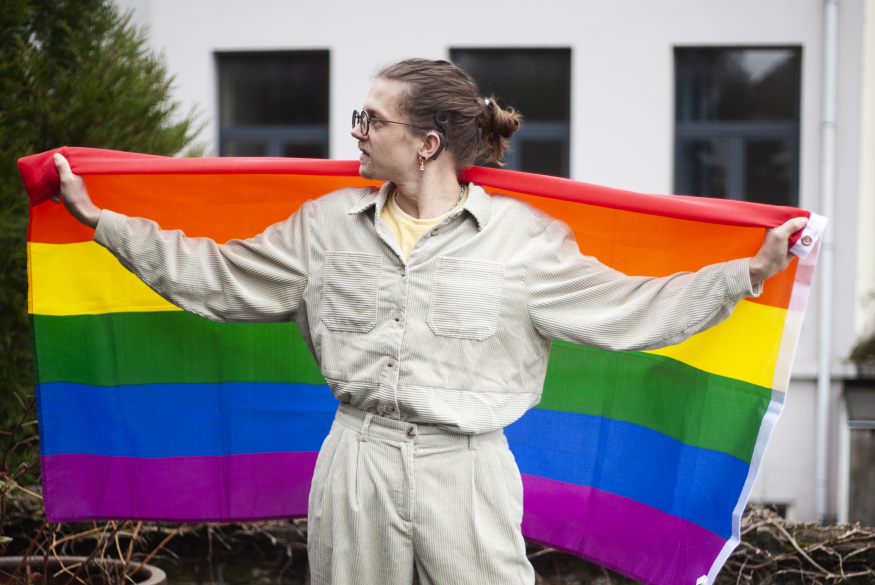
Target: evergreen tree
[74, 73]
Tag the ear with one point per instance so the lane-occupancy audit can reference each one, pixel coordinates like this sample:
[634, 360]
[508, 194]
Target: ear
[433, 144]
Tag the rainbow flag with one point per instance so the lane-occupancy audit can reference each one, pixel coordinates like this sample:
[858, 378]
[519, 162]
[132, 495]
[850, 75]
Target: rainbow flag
[640, 461]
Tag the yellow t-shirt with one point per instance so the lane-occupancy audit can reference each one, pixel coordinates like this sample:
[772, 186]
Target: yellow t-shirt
[408, 229]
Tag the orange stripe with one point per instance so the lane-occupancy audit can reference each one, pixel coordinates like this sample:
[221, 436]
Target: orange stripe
[649, 245]
[210, 205]
[200, 205]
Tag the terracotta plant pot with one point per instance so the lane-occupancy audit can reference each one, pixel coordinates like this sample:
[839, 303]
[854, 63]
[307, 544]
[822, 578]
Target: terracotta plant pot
[147, 575]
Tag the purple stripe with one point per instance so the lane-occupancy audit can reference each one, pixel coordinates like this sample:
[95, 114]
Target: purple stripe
[623, 534]
[630, 537]
[178, 489]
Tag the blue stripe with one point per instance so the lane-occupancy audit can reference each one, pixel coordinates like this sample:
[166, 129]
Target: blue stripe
[167, 420]
[696, 484]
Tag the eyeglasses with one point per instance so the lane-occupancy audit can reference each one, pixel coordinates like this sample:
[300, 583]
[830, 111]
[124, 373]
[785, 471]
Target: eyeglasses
[364, 122]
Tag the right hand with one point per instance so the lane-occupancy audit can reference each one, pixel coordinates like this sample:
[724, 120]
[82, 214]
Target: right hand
[774, 255]
[74, 194]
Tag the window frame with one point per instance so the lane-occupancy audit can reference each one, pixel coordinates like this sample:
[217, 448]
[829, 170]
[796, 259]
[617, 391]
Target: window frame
[860, 393]
[534, 130]
[736, 133]
[275, 136]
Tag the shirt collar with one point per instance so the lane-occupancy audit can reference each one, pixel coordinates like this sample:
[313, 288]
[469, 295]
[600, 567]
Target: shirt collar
[370, 198]
[478, 204]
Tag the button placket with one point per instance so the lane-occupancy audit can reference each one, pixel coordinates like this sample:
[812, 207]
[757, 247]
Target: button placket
[396, 334]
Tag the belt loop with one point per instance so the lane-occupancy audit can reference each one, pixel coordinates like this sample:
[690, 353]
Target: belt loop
[363, 434]
[472, 442]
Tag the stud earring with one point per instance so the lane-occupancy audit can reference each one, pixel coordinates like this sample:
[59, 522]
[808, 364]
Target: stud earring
[421, 163]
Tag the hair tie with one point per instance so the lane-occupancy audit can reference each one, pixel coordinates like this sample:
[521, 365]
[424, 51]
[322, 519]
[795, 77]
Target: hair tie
[488, 103]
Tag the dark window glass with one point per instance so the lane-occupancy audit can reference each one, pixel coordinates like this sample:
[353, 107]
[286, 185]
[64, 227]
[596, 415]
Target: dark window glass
[231, 148]
[738, 84]
[769, 165]
[737, 123]
[861, 504]
[537, 82]
[305, 151]
[274, 103]
[860, 397]
[266, 89]
[541, 156]
[707, 161]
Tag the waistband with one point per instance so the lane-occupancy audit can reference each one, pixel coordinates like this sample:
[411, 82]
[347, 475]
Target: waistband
[373, 425]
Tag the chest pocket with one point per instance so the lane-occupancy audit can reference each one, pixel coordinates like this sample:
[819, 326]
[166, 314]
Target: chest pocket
[465, 298]
[349, 291]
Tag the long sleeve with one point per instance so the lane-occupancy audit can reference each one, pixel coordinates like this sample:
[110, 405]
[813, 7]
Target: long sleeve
[575, 298]
[261, 279]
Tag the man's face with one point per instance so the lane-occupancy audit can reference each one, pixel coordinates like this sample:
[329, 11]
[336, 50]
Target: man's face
[389, 150]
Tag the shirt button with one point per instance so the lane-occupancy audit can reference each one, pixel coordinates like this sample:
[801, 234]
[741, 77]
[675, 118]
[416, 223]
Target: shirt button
[391, 363]
[411, 433]
[396, 315]
[390, 408]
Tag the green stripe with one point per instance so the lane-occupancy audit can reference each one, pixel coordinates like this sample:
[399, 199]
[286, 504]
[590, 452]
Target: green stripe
[169, 347]
[695, 407]
[683, 402]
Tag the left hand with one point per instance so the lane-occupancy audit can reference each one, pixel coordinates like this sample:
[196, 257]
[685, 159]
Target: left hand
[774, 255]
[74, 194]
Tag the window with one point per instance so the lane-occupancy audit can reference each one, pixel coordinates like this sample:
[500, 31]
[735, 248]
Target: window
[737, 123]
[273, 104]
[537, 82]
[860, 397]
[779, 508]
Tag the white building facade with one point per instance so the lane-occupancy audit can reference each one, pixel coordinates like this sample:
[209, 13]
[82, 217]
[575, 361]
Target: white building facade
[620, 125]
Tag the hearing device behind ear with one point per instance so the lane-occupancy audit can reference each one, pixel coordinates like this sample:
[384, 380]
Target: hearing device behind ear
[442, 119]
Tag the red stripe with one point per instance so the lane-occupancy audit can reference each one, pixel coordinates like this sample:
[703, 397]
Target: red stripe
[719, 211]
[41, 180]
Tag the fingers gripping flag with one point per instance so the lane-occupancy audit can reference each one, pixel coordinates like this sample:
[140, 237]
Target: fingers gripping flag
[640, 461]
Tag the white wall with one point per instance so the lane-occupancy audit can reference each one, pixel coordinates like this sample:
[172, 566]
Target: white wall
[787, 472]
[622, 94]
[622, 106]
[788, 459]
[864, 322]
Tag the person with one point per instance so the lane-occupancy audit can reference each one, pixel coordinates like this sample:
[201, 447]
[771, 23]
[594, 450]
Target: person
[430, 307]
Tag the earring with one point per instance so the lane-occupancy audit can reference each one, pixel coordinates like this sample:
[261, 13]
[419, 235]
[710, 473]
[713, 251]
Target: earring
[421, 163]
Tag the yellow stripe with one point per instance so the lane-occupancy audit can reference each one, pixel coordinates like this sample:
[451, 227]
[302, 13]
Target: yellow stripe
[84, 278]
[744, 347]
[29, 280]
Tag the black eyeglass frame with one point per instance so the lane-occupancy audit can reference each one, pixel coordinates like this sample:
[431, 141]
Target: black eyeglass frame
[363, 120]
[442, 119]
